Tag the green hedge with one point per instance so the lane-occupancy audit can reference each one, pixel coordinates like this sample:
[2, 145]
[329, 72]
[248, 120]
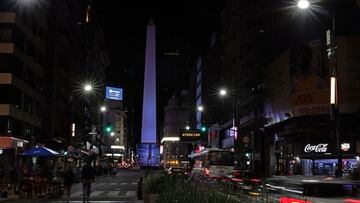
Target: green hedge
[179, 189]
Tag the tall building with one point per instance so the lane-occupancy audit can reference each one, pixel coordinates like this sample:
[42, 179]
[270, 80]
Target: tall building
[255, 46]
[23, 55]
[41, 57]
[176, 118]
[95, 60]
[302, 136]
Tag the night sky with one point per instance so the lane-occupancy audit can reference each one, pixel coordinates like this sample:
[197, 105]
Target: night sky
[182, 26]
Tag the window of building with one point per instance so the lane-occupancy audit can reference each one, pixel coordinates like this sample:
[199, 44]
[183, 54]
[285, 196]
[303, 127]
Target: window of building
[30, 49]
[10, 95]
[16, 127]
[10, 64]
[36, 108]
[28, 104]
[19, 39]
[5, 35]
[4, 124]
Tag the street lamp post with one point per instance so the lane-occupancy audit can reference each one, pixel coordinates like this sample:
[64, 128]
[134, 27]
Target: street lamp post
[235, 103]
[334, 88]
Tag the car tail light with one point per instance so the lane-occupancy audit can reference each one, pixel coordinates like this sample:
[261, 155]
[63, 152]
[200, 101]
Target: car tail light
[292, 200]
[351, 200]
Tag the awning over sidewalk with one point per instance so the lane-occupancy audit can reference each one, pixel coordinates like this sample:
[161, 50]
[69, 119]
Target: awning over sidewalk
[12, 142]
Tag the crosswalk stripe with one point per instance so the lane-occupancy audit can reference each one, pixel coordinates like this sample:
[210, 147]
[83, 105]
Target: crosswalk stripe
[96, 193]
[113, 193]
[77, 193]
[133, 183]
[130, 193]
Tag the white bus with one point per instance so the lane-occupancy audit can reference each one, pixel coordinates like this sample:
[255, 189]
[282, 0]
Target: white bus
[212, 163]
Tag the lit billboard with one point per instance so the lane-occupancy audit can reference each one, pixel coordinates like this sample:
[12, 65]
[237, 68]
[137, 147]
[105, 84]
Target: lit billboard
[114, 93]
[190, 136]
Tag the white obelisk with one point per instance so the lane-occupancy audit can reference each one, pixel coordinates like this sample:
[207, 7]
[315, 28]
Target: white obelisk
[148, 129]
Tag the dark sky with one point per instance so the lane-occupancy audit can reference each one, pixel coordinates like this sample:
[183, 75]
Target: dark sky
[183, 26]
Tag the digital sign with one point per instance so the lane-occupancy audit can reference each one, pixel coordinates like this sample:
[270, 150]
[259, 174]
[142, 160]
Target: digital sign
[190, 136]
[114, 93]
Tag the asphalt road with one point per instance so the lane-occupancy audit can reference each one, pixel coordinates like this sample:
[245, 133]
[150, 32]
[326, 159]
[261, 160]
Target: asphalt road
[121, 189]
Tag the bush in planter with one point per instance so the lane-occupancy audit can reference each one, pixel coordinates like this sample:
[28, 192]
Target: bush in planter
[182, 190]
[355, 174]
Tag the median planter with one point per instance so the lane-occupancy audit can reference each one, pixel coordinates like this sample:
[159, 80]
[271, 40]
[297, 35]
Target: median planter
[151, 198]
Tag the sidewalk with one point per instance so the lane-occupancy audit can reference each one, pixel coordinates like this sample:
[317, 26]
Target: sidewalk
[11, 196]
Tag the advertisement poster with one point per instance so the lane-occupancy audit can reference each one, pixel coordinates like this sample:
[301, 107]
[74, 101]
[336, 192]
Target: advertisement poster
[309, 79]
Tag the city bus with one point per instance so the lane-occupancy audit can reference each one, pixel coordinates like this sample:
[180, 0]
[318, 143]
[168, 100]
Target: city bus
[212, 163]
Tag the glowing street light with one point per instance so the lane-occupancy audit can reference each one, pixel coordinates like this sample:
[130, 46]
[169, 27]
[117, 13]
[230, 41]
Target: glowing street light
[223, 92]
[187, 127]
[112, 134]
[303, 4]
[200, 108]
[88, 88]
[103, 108]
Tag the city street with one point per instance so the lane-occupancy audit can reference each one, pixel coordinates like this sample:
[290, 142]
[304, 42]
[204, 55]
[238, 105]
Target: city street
[122, 188]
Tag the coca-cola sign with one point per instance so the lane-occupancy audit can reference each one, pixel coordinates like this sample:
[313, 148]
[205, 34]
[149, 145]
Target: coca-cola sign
[320, 148]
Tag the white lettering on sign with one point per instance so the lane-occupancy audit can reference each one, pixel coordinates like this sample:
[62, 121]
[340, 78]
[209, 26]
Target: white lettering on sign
[316, 148]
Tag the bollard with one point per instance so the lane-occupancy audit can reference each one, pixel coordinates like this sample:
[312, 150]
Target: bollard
[140, 189]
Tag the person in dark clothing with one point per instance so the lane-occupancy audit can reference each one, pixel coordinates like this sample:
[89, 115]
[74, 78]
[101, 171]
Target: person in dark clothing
[2, 179]
[68, 180]
[87, 177]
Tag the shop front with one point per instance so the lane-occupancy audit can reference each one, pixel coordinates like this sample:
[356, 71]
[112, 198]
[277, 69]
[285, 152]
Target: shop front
[10, 149]
[322, 158]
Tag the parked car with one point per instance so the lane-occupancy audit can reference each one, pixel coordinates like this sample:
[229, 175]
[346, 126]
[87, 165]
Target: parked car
[177, 170]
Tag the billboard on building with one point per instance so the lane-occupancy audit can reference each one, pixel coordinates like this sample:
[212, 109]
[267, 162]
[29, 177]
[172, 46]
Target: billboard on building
[297, 81]
[190, 136]
[114, 93]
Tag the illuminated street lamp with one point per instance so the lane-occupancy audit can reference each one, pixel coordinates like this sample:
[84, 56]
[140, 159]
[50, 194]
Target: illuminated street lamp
[88, 88]
[303, 4]
[223, 92]
[112, 134]
[103, 108]
[187, 127]
[200, 108]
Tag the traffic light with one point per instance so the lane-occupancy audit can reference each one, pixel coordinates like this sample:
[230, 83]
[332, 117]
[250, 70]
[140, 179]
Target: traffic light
[203, 129]
[108, 128]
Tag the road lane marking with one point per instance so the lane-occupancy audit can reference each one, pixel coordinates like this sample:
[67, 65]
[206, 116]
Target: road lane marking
[78, 193]
[133, 183]
[113, 193]
[130, 193]
[96, 193]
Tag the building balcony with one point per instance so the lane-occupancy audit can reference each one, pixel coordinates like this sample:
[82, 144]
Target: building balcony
[11, 79]
[10, 48]
[14, 112]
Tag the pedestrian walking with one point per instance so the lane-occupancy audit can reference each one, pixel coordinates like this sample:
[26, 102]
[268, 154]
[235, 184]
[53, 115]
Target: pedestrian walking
[114, 171]
[68, 180]
[87, 177]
